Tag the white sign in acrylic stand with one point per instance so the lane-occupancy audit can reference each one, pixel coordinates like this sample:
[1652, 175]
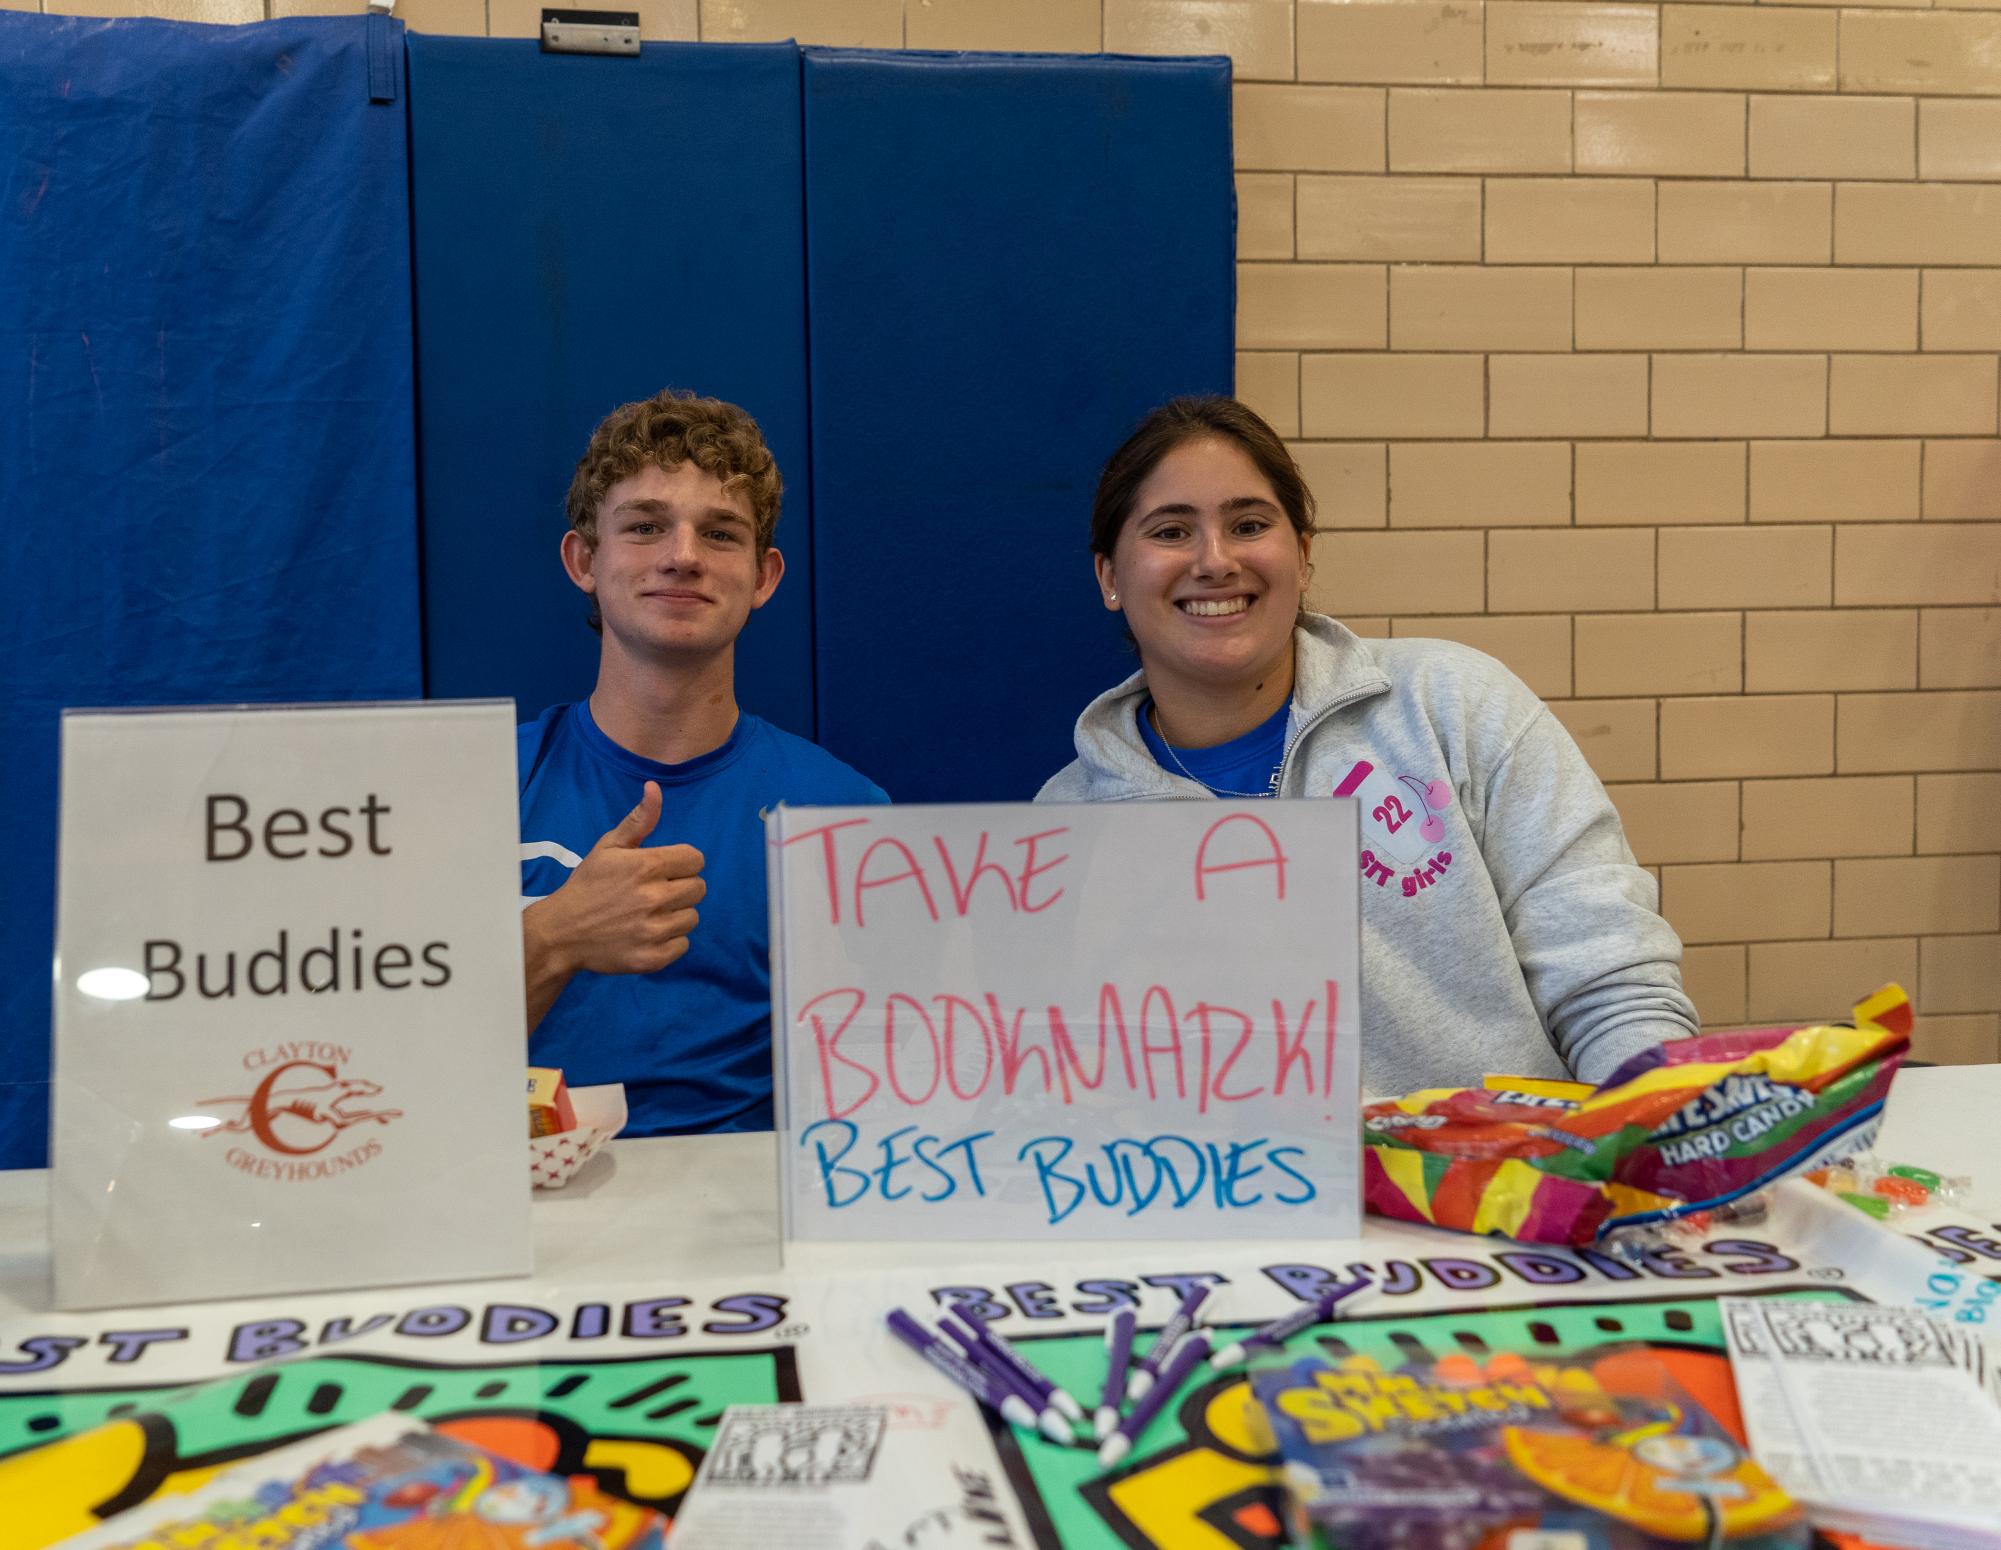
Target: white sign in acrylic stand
[1012, 1022]
[289, 1026]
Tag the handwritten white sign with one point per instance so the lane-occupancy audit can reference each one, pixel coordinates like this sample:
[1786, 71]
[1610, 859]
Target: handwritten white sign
[1013, 1022]
[289, 1026]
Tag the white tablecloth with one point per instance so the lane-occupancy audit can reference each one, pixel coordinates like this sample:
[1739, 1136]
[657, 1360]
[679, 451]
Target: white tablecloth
[713, 1199]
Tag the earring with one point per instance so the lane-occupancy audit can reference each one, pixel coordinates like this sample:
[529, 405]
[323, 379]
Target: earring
[1113, 596]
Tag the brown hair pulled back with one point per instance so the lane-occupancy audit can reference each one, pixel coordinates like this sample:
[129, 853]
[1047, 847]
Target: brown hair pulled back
[1182, 420]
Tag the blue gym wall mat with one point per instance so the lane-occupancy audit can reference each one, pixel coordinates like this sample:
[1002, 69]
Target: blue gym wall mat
[1011, 258]
[588, 231]
[206, 456]
[210, 443]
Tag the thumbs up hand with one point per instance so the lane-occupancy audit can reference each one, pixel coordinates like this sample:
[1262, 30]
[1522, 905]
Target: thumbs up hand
[630, 832]
[626, 909]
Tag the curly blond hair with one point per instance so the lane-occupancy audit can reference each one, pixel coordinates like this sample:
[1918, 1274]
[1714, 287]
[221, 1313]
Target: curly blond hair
[664, 431]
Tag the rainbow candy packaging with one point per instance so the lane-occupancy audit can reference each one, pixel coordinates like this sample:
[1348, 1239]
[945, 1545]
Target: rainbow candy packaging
[1683, 1127]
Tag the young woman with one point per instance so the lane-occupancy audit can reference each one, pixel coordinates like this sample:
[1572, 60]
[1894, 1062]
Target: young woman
[1505, 925]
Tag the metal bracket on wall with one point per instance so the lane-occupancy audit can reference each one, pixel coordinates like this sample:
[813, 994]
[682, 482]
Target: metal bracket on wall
[590, 32]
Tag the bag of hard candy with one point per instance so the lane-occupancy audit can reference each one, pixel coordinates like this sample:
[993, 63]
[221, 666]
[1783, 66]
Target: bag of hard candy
[1688, 1126]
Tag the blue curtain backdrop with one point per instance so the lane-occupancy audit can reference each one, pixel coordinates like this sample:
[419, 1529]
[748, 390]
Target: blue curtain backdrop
[206, 437]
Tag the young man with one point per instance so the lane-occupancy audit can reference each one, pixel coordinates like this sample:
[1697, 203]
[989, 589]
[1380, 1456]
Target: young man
[648, 798]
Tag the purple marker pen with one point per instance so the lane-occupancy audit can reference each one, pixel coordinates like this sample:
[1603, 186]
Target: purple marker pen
[1118, 1357]
[984, 1352]
[1162, 1350]
[1187, 1357]
[963, 1337]
[1048, 1393]
[1283, 1328]
[976, 1381]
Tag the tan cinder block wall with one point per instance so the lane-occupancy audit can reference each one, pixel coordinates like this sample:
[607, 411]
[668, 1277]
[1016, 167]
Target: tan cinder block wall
[1653, 349]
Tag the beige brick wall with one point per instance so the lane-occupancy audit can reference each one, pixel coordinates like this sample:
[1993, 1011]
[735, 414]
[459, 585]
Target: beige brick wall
[1652, 348]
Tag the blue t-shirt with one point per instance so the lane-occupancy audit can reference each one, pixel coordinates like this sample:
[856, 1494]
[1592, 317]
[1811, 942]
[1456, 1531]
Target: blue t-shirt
[1244, 766]
[692, 1043]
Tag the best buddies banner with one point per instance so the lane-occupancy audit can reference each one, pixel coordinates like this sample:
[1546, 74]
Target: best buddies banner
[628, 1381]
[1010, 1022]
[288, 1002]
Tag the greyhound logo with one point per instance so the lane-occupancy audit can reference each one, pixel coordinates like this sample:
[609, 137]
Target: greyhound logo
[313, 1114]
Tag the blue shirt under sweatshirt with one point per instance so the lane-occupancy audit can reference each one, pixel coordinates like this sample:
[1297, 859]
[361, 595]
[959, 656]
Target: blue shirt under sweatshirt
[692, 1043]
[1245, 766]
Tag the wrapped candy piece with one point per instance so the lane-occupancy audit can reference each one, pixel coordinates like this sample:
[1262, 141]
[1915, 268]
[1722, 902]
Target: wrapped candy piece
[1944, 1189]
[1907, 1192]
[1687, 1126]
[1902, 1184]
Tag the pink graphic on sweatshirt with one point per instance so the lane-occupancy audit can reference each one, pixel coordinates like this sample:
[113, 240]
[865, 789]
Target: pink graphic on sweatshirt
[1402, 819]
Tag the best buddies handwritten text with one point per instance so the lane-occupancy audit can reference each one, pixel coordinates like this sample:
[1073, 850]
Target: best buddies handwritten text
[1006, 1021]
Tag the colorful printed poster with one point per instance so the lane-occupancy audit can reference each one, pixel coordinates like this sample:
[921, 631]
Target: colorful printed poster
[629, 1383]
[1463, 1450]
[387, 1483]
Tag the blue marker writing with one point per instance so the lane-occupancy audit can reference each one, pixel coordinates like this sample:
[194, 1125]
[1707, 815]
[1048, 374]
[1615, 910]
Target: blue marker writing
[1118, 1356]
[983, 1385]
[1283, 1328]
[1162, 1350]
[1187, 1357]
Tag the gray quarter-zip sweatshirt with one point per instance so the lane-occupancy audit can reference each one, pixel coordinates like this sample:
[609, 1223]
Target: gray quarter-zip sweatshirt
[1505, 925]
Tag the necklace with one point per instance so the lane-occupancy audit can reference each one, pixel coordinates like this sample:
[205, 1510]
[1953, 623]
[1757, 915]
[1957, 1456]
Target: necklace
[1271, 787]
